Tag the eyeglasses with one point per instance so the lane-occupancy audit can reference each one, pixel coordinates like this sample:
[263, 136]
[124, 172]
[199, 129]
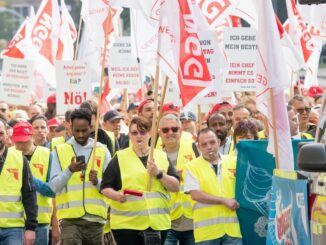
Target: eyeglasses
[173, 129]
[135, 133]
[301, 110]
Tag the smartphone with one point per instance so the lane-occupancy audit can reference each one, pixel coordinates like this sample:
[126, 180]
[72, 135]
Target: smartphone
[80, 159]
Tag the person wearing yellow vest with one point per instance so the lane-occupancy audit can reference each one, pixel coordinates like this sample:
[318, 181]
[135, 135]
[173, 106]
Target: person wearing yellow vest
[135, 211]
[210, 180]
[179, 153]
[39, 162]
[17, 196]
[81, 208]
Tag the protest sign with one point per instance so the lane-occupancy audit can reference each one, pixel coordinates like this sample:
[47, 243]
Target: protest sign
[288, 212]
[123, 67]
[17, 78]
[253, 187]
[73, 84]
[240, 47]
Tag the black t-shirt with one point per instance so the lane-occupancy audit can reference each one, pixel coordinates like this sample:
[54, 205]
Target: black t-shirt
[112, 174]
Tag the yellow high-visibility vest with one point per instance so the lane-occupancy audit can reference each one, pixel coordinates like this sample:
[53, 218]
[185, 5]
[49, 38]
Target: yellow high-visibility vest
[80, 196]
[180, 202]
[150, 210]
[112, 138]
[57, 141]
[214, 221]
[39, 165]
[11, 180]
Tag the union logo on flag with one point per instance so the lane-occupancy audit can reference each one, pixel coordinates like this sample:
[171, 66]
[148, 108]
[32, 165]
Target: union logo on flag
[14, 172]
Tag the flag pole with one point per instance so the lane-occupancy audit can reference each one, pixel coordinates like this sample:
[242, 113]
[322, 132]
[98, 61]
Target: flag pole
[154, 122]
[106, 38]
[165, 86]
[291, 85]
[199, 116]
[78, 35]
[277, 160]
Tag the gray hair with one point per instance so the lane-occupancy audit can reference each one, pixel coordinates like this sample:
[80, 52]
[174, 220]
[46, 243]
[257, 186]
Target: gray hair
[169, 117]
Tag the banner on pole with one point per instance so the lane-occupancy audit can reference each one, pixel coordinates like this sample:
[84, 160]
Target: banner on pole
[123, 67]
[240, 47]
[253, 188]
[288, 213]
[17, 79]
[73, 84]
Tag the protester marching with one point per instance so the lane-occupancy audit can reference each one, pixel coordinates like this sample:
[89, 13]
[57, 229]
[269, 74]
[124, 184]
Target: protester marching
[186, 131]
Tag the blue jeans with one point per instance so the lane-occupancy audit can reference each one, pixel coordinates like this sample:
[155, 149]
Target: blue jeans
[11, 236]
[184, 238]
[42, 235]
[224, 240]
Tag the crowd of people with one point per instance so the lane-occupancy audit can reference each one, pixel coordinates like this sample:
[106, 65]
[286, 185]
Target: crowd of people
[63, 182]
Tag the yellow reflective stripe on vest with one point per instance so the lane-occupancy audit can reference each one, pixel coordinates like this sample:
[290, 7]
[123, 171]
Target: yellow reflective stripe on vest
[214, 221]
[10, 198]
[79, 203]
[11, 215]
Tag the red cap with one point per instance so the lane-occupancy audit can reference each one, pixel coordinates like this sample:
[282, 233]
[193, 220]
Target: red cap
[51, 99]
[144, 102]
[53, 123]
[218, 106]
[314, 90]
[170, 107]
[22, 132]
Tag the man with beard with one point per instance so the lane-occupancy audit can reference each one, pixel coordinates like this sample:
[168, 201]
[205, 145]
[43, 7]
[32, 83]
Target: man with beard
[225, 109]
[217, 123]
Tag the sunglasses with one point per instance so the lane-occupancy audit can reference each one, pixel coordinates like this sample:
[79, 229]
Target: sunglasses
[3, 109]
[173, 129]
[301, 110]
[135, 133]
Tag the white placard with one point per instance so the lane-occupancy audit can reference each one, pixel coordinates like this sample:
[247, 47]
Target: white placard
[240, 47]
[123, 67]
[73, 84]
[17, 78]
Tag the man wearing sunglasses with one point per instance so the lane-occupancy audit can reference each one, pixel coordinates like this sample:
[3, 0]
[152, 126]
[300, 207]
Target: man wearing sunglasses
[179, 153]
[302, 107]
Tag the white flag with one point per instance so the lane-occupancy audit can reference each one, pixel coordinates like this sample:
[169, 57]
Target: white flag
[272, 74]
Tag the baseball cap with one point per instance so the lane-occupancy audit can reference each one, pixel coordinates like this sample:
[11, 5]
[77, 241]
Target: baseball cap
[170, 107]
[314, 90]
[53, 123]
[111, 115]
[188, 116]
[132, 106]
[218, 106]
[144, 102]
[22, 132]
[51, 99]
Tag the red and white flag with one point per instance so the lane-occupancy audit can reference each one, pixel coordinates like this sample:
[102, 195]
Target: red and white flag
[44, 35]
[67, 35]
[299, 32]
[17, 46]
[191, 66]
[91, 48]
[272, 74]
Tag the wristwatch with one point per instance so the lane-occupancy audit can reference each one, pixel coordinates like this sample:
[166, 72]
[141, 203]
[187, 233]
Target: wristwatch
[159, 175]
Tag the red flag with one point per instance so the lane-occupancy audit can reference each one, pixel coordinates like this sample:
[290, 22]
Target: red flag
[13, 50]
